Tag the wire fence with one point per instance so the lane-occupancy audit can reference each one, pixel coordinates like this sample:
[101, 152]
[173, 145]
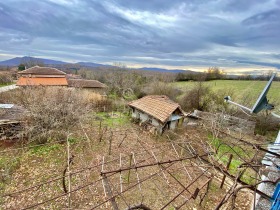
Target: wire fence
[178, 173]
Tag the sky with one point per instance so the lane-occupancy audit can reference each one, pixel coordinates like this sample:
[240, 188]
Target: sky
[235, 35]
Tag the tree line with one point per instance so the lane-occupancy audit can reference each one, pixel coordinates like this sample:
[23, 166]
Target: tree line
[215, 73]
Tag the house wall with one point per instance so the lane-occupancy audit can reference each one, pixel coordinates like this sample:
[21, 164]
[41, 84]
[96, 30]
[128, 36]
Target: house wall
[143, 117]
[45, 81]
[173, 124]
[155, 122]
[135, 113]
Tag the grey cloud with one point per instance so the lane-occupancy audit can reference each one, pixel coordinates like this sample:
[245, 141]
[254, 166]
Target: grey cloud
[151, 5]
[241, 5]
[268, 17]
[277, 65]
[115, 30]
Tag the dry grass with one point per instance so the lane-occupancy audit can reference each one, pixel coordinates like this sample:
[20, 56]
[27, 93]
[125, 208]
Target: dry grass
[43, 163]
[46, 162]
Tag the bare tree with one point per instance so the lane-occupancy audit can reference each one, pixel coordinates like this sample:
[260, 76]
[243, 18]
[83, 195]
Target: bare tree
[197, 98]
[5, 78]
[162, 88]
[124, 82]
[52, 111]
[214, 73]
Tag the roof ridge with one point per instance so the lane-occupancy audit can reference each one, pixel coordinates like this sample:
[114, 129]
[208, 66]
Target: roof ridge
[45, 70]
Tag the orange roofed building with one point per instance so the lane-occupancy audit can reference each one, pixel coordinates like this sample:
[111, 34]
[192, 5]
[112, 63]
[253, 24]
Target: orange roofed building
[46, 76]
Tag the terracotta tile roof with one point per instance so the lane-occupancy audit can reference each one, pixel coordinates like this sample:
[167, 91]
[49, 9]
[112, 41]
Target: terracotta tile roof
[42, 71]
[158, 106]
[82, 83]
[36, 81]
[73, 76]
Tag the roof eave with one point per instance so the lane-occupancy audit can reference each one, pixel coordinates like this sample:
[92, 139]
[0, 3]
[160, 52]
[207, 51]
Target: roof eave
[162, 121]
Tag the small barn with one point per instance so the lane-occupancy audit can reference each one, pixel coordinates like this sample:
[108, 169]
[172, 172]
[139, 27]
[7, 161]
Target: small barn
[46, 76]
[158, 111]
[92, 85]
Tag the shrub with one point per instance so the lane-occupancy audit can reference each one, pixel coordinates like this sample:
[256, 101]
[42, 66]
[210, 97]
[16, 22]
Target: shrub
[266, 123]
[53, 111]
[199, 97]
[5, 79]
[161, 88]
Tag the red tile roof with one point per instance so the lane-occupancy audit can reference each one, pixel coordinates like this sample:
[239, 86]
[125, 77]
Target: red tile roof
[82, 83]
[36, 81]
[37, 70]
[157, 106]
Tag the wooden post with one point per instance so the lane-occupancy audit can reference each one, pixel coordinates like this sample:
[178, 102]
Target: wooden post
[204, 195]
[69, 172]
[121, 172]
[110, 143]
[138, 180]
[107, 189]
[109, 192]
[125, 135]
[85, 133]
[102, 169]
[228, 164]
[99, 130]
[103, 131]
[130, 161]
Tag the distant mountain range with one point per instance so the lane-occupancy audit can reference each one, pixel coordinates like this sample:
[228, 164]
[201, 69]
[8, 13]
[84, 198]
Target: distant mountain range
[18, 60]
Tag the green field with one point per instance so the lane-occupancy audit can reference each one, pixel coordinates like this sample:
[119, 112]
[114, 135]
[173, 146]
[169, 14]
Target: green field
[240, 88]
[3, 85]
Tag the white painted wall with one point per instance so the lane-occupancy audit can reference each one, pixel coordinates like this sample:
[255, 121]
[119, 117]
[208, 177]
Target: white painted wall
[173, 124]
[155, 122]
[135, 114]
[143, 117]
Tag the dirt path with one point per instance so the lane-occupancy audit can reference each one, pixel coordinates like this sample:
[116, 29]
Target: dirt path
[8, 88]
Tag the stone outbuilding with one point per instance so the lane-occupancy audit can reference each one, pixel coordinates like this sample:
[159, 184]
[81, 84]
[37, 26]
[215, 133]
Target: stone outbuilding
[158, 111]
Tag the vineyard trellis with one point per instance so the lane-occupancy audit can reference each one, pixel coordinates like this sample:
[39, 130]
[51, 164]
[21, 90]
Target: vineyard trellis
[177, 172]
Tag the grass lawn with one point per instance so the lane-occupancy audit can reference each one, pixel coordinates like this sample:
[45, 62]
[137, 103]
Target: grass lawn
[113, 119]
[240, 88]
[223, 151]
[3, 85]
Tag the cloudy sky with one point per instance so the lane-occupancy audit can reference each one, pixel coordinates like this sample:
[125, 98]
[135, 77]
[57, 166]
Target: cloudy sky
[190, 34]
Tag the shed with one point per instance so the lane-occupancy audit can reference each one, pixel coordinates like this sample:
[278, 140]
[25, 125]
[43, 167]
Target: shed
[158, 111]
[92, 85]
